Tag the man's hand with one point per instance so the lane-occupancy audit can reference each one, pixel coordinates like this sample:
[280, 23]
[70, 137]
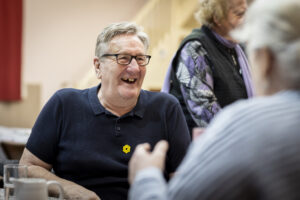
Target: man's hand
[143, 158]
[77, 192]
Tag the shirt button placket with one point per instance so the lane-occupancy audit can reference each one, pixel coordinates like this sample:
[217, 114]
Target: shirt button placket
[117, 128]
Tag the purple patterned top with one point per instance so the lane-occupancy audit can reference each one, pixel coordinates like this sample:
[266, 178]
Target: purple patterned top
[196, 82]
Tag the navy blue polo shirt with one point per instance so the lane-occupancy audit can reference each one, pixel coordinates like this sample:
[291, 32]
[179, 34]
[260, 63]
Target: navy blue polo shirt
[90, 146]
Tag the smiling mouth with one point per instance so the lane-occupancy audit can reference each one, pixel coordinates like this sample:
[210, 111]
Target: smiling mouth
[129, 80]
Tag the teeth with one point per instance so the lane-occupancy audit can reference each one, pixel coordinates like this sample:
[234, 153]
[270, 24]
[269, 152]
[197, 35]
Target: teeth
[128, 79]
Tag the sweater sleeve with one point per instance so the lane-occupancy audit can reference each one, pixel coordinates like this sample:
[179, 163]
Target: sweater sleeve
[149, 178]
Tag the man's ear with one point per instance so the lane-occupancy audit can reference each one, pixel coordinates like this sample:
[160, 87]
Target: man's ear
[97, 67]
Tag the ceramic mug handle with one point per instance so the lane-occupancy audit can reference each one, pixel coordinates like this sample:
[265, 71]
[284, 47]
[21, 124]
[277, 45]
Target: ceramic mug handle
[61, 191]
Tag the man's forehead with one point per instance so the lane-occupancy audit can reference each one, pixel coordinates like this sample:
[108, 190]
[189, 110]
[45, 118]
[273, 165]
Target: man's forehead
[123, 42]
[113, 46]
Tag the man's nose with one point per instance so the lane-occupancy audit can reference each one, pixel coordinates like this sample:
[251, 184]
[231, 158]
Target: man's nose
[133, 65]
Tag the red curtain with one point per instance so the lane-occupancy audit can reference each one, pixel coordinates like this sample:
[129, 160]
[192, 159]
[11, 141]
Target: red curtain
[10, 49]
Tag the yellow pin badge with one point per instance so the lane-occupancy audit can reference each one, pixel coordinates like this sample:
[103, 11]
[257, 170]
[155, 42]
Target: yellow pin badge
[126, 148]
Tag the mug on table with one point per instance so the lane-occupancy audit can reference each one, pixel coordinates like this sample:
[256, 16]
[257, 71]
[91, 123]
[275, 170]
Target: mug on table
[34, 188]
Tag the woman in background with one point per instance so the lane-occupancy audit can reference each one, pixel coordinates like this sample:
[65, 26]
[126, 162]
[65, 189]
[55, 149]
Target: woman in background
[210, 70]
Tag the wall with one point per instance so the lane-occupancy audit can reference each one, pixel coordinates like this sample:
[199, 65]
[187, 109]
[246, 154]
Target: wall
[22, 113]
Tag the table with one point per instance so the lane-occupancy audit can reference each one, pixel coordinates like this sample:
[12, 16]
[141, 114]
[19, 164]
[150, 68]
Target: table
[17, 135]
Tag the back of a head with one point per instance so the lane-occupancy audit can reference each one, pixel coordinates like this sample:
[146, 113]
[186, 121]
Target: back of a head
[275, 24]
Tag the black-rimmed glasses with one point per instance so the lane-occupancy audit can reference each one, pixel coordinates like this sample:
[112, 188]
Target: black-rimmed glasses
[125, 59]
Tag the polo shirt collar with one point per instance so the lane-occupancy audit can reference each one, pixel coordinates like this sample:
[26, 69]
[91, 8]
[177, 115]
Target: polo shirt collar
[97, 108]
[140, 106]
[94, 101]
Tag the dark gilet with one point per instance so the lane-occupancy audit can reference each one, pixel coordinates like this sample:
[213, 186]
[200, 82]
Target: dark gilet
[229, 85]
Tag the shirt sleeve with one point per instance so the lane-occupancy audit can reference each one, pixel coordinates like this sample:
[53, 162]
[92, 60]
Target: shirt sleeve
[196, 83]
[44, 137]
[178, 137]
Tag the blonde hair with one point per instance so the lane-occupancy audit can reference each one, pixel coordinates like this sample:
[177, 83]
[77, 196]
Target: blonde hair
[210, 9]
[116, 29]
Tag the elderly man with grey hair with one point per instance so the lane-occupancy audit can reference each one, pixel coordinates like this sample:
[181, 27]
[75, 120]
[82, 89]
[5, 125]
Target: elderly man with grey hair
[251, 149]
[87, 136]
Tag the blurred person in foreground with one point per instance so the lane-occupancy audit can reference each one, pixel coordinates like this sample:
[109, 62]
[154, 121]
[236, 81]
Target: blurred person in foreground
[250, 151]
[87, 136]
[210, 70]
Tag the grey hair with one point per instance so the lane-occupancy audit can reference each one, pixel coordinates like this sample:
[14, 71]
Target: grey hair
[275, 25]
[115, 29]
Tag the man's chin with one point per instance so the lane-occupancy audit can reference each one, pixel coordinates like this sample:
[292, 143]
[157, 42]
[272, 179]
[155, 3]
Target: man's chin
[130, 94]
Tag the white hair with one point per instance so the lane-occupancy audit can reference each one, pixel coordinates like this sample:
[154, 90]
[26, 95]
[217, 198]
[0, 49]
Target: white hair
[115, 29]
[276, 25]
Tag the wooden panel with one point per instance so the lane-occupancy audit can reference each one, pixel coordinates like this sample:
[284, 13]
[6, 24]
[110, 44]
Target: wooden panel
[24, 113]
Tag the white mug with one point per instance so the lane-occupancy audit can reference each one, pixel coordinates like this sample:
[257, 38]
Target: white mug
[34, 188]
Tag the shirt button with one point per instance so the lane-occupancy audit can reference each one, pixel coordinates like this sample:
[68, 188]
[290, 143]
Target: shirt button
[118, 128]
